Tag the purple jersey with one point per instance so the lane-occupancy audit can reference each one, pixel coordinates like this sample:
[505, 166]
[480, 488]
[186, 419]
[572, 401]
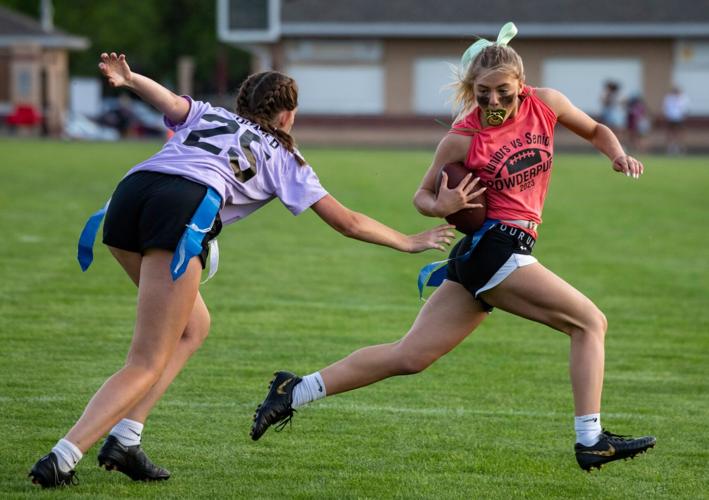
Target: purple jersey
[246, 166]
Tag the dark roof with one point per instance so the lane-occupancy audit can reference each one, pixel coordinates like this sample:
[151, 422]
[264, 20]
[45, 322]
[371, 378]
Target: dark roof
[16, 28]
[548, 18]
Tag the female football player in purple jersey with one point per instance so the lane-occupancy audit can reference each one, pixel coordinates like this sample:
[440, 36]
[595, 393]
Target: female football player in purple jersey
[218, 167]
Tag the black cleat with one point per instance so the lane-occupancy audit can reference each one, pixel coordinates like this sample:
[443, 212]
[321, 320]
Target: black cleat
[277, 405]
[46, 473]
[130, 460]
[609, 448]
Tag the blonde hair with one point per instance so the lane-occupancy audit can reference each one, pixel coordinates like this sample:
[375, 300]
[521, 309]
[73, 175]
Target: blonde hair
[494, 57]
[262, 96]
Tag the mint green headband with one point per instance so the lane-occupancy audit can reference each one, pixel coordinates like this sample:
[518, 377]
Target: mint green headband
[507, 33]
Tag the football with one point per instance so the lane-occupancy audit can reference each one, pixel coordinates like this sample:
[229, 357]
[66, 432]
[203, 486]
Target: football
[467, 220]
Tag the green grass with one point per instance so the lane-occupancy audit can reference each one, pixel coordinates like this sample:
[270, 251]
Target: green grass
[493, 419]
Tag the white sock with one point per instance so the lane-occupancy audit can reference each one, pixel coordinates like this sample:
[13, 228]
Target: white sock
[68, 455]
[311, 388]
[127, 432]
[588, 428]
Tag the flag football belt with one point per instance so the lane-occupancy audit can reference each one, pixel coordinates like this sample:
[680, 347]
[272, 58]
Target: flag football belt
[190, 243]
[434, 273]
[526, 224]
[525, 239]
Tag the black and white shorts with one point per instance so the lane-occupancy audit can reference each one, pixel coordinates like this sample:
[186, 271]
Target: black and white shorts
[152, 210]
[501, 250]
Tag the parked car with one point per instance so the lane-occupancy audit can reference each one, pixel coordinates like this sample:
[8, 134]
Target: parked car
[131, 117]
[80, 127]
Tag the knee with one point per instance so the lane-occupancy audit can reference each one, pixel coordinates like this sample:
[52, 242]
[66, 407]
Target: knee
[145, 371]
[598, 324]
[594, 325]
[196, 332]
[409, 362]
[603, 322]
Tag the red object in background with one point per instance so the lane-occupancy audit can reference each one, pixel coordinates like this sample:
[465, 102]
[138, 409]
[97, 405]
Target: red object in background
[24, 115]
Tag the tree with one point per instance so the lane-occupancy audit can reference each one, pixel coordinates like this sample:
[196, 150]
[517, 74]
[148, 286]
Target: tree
[154, 34]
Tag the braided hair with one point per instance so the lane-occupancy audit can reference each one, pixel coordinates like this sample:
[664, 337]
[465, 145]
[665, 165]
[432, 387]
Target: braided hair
[262, 96]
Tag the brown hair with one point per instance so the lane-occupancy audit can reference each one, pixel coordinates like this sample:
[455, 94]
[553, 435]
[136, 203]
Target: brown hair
[494, 57]
[262, 96]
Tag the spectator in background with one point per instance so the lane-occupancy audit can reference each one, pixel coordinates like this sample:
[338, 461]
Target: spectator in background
[127, 123]
[638, 123]
[611, 112]
[674, 108]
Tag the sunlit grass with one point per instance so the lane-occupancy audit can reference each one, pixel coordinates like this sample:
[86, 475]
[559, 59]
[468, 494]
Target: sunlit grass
[493, 419]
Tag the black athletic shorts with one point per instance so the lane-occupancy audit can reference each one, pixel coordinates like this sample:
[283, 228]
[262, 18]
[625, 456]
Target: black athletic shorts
[493, 250]
[152, 210]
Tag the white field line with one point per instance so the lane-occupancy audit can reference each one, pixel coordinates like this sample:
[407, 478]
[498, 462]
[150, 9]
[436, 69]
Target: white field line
[353, 408]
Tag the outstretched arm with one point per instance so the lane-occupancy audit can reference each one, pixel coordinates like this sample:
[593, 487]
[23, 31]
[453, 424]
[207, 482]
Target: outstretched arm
[360, 227]
[596, 133]
[116, 70]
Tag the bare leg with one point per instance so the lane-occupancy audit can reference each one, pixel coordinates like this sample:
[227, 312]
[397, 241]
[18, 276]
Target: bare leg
[192, 338]
[536, 293]
[164, 308]
[445, 320]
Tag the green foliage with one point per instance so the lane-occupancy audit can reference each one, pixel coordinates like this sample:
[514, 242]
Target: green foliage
[493, 419]
[153, 34]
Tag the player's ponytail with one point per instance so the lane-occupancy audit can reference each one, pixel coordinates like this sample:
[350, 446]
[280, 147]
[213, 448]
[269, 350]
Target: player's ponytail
[262, 96]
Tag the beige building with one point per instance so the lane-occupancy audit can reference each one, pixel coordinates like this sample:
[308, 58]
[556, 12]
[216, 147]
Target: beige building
[390, 59]
[34, 66]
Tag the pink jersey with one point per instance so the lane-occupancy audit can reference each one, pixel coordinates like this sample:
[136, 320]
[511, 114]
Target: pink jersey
[513, 160]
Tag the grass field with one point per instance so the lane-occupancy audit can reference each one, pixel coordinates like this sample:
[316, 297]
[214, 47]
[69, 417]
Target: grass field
[493, 419]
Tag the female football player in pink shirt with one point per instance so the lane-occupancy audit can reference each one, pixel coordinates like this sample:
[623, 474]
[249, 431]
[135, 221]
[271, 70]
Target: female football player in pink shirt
[217, 168]
[505, 136]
